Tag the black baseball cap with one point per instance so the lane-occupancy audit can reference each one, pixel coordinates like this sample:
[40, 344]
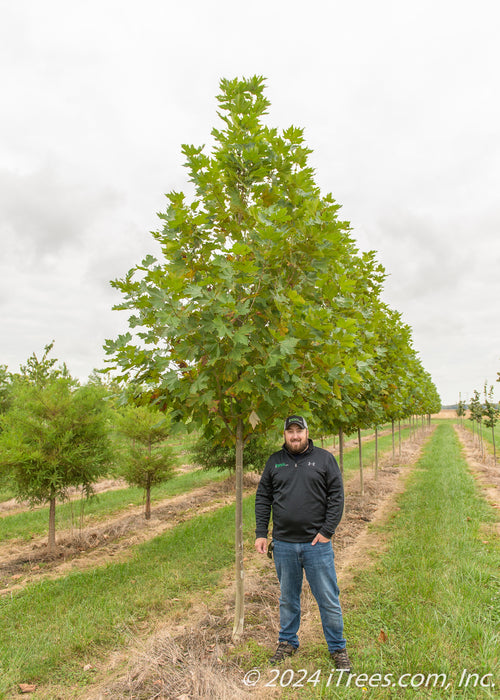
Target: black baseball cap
[296, 420]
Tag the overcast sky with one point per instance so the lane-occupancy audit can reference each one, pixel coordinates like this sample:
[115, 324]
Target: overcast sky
[399, 101]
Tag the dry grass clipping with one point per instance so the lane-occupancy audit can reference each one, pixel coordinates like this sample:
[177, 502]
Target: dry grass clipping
[190, 665]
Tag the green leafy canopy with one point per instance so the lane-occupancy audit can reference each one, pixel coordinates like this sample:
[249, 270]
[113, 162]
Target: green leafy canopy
[251, 307]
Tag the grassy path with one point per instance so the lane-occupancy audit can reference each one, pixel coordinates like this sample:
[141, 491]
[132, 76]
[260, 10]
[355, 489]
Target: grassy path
[435, 594]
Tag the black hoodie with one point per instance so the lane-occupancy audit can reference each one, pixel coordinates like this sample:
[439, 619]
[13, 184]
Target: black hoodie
[305, 493]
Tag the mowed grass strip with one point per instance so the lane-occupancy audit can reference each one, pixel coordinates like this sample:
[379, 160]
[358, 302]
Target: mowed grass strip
[31, 523]
[435, 593]
[351, 456]
[50, 630]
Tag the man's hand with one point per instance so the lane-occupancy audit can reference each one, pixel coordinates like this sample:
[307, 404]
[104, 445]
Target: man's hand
[261, 545]
[320, 538]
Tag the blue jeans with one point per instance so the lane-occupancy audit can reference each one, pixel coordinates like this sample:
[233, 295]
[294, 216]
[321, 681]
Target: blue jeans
[291, 560]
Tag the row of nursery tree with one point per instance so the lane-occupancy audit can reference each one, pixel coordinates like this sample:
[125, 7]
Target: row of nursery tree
[482, 411]
[259, 304]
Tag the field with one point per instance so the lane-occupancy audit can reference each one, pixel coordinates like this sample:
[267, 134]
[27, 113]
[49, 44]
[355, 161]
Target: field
[136, 609]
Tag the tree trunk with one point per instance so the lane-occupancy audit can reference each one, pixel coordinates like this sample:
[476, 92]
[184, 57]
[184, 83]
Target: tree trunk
[341, 450]
[376, 452]
[51, 545]
[239, 611]
[399, 437]
[494, 446]
[361, 484]
[147, 513]
[392, 423]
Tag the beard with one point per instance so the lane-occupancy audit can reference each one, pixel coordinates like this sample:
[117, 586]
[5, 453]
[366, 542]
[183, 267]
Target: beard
[297, 445]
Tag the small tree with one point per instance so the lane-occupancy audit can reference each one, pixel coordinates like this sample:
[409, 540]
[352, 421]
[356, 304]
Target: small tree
[490, 413]
[476, 415]
[460, 411]
[212, 455]
[146, 461]
[54, 437]
[41, 372]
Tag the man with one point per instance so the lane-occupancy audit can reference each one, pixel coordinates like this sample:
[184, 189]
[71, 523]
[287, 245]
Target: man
[302, 485]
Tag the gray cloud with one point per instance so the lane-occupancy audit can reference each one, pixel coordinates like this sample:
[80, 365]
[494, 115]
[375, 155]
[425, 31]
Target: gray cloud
[50, 209]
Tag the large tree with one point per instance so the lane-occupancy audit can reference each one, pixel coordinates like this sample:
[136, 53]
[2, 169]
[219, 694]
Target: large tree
[246, 316]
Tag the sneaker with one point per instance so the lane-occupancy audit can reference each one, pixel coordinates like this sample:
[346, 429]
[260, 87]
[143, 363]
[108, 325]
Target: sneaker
[284, 649]
[341, 660]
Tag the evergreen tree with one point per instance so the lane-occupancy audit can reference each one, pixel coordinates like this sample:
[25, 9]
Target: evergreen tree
[54, 436]
[147, 461]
